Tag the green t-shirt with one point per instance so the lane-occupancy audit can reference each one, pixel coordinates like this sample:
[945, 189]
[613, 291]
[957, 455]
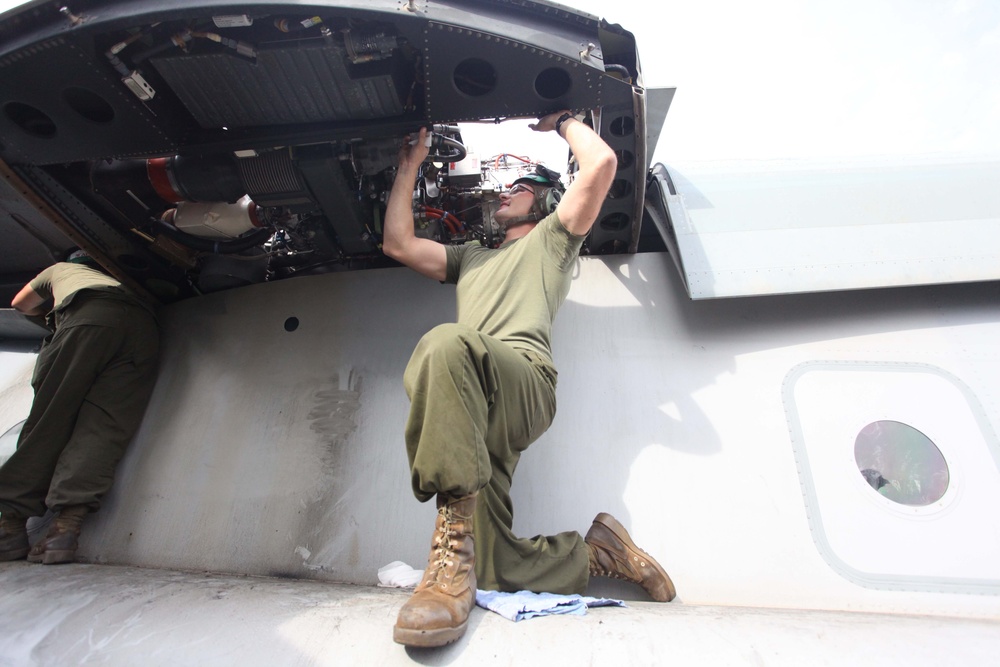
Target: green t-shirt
[61, 281]
[513, 292]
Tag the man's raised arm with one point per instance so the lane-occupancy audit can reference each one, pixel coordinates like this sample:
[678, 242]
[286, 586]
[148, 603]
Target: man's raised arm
[29, 302]
[583, 199]
[399, 242]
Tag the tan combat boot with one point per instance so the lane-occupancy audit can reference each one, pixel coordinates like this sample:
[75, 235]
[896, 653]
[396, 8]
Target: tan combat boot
[438, 611]
[13, 538]
[613, 554]
[59, 544]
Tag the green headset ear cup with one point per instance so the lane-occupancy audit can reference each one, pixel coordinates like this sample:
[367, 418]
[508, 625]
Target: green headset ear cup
[552, 199]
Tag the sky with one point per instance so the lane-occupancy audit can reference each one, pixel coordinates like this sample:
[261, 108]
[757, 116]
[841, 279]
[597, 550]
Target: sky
[803, 79]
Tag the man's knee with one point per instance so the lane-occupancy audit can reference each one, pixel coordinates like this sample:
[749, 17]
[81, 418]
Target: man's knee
[448, 334]
[445, 340]
[444, 346]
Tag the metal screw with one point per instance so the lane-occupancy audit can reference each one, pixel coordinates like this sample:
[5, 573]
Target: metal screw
[73, 18]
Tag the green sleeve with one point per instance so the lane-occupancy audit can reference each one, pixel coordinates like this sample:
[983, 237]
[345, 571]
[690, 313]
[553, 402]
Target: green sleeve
[455, 253]
[560, 244]
[42, 283]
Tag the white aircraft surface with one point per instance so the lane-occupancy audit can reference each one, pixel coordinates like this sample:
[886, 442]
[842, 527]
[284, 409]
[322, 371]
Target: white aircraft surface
[780, 373]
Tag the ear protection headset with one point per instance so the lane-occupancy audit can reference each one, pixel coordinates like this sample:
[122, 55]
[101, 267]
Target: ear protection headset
[552, 198]
[548, 190]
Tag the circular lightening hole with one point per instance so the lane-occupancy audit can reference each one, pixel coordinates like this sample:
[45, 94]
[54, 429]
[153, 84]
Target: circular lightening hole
[623, 126]
[89, 104]
[625, 159]
[475, 77]
[620, 188]
[33, 121]
[552, 83]
[615, 222]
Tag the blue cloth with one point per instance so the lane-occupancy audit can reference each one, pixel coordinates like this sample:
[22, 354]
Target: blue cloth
[525, 604]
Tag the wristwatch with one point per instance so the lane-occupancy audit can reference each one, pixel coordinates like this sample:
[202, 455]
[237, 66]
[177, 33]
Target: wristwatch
[562, 119]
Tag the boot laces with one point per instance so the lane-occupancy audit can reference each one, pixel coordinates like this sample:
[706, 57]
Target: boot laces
[618, 569]
[444, 545]
[67, 524]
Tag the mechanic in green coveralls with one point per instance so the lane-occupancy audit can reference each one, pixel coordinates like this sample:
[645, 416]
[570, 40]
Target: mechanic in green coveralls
[92, 381]
[483, 389]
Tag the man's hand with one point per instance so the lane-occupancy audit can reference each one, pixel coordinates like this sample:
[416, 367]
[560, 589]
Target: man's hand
[398, 240]
[413, 151]
[548, 123]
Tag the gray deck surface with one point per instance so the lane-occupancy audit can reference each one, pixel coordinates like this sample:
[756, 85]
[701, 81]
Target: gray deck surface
[111, 615]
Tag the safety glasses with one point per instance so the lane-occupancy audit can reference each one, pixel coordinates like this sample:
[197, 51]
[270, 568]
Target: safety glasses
[520, 187]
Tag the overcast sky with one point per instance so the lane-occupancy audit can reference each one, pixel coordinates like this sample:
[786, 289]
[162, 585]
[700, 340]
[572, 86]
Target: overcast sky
[800, 78]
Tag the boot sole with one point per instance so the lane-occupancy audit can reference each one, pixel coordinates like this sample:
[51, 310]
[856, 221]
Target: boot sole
[428, 638]
[57, 557]
[615, 527]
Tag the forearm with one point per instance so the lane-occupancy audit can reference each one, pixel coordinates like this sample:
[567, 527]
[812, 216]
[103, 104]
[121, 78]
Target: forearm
[595, 157]
[398, 240]
[582, 201]
[398, 227]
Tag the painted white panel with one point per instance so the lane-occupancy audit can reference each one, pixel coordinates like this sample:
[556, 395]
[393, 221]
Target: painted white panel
[754, 228]
[950, 544]
[275, 452]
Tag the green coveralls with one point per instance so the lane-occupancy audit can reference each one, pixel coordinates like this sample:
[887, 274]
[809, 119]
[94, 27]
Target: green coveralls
[92, 381]
[483, 389]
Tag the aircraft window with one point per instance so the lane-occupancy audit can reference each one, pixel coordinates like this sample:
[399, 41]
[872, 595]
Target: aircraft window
[901, 463]
[8, 441]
